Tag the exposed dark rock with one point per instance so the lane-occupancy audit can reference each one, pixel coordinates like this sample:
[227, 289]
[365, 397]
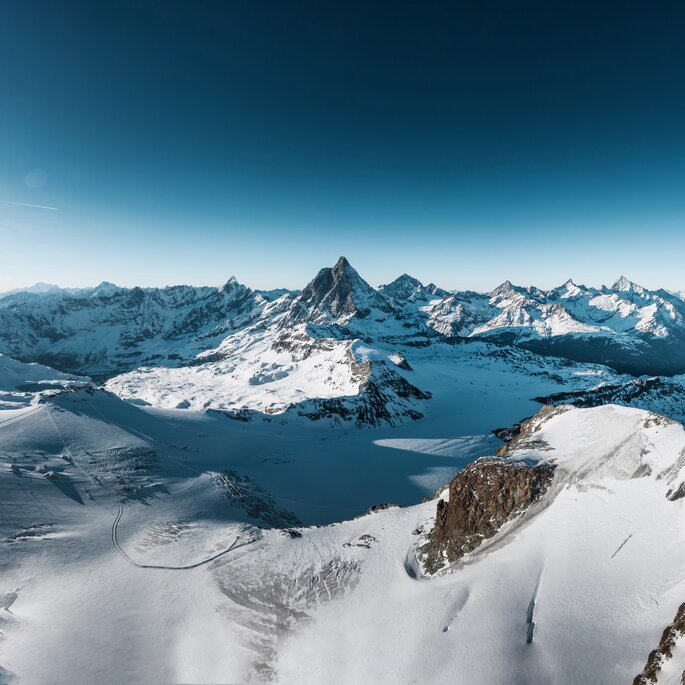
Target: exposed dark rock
[384, 397]
[242, 492]
[400, 362]
[53, 328]
[637, 355]
[642, 471]
[507, 433]
[336, 292]
[679, 492]
[244, 415]
[301, 345]
[640, 392]
[485, 495]
[406, 288]
[657, 657]
[364, 541]
[381, 507]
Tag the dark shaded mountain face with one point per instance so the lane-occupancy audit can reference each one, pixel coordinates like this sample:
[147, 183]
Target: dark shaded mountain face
[335, 293]
[108, 329]
[637, 355]
[664, 395]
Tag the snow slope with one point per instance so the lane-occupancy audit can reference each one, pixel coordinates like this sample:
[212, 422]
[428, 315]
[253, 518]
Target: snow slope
[141, 558]
[201, 517]
[19, 382]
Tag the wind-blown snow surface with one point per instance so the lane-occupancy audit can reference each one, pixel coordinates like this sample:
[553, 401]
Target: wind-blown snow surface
[131, 552]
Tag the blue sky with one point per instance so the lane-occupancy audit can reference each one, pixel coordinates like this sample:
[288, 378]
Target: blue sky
[463, 143]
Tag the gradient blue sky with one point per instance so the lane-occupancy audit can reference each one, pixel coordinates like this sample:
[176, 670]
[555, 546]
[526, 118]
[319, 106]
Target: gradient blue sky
[465, 143]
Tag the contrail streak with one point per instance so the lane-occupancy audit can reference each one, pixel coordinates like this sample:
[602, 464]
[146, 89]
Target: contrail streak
[24, 204]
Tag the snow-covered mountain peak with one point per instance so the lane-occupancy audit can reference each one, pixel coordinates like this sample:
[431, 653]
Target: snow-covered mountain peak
[503, 289]
[406, 288]
[568, 290]
[622, 284]
[401, 282]
[105, 289]
[39, 288]
[233, 289]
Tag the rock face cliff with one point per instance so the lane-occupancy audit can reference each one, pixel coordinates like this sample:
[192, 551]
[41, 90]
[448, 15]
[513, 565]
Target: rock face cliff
[337, 293]
[384, 397]
[672, 635]
[484, 496]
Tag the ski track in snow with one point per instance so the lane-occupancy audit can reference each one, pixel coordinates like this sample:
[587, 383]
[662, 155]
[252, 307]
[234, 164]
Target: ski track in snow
[115, 524]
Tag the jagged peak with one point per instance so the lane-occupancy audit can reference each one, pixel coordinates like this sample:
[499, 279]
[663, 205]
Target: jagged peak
[105, 289]
[504, 288]
[342, 270]
[408, 278]
[625, 285]
[404, 280]
[338, 291]
[568, 289]
[411, 289]
[230, 284]
[342, 264]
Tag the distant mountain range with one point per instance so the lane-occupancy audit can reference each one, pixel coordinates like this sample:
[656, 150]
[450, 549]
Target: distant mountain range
[107, 329]
[274, 467]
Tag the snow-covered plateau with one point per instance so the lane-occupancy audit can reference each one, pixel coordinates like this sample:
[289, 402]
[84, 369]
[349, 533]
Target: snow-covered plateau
[342, 484]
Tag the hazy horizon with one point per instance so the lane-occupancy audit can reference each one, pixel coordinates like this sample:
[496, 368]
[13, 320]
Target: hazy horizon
[307, 278]
[147, 143]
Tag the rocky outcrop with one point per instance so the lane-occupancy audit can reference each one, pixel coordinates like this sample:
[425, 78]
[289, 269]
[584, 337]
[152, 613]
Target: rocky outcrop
[664, 652]
[384, 397]
[483, 497]
[259, 504]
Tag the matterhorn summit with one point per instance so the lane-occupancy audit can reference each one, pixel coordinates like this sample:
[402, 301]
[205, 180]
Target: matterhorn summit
[338, 293]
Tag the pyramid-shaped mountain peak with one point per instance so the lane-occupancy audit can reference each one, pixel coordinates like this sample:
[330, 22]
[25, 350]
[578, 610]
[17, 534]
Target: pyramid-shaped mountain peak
[338, 292]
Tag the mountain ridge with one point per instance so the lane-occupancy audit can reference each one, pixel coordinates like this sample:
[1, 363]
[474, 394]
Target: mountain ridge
[627, 326]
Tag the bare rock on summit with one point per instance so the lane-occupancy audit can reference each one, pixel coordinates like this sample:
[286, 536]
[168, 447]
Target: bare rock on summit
[337, 292]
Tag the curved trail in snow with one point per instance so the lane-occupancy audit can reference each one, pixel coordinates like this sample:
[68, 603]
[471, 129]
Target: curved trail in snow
[115, 524]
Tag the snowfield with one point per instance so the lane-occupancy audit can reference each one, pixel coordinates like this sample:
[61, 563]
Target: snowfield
[156, 560]
[246, 491]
